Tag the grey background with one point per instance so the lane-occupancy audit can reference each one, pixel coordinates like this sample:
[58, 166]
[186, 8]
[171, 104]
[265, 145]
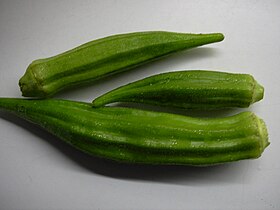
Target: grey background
[38, 171]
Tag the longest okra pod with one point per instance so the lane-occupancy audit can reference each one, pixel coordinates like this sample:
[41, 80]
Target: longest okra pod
[137, 136]
[104, 57]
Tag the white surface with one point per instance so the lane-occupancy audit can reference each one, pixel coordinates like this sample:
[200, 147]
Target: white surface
[37, 171]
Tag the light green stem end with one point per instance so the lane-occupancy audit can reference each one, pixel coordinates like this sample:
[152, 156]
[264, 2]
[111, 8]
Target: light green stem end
[29, 85]
[258, 93]
[263, 134]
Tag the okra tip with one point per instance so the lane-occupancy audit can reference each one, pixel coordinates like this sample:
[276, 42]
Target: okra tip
[98, 103]
[219, 36]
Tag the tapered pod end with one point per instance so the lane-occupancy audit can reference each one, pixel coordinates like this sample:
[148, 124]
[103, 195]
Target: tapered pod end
[203, 39]
[29, 85]
[99, 102]
[258, 92]
[217, 37]
[95, 103]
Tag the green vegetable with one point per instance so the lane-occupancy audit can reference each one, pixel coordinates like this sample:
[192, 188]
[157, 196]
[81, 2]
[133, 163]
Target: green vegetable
[137, 136]
[104, 57]
[189, 89]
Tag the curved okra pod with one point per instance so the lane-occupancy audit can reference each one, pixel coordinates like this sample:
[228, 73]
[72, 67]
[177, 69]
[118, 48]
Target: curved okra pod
[104, 57]
[137, 136]
[195, 89]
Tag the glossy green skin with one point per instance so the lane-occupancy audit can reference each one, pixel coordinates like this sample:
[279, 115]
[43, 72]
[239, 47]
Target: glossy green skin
[104, 57]
[137, 136]
[195, 89]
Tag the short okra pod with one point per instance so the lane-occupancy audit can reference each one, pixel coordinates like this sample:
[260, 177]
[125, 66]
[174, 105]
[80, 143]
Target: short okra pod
[104, 57]
[195, 89]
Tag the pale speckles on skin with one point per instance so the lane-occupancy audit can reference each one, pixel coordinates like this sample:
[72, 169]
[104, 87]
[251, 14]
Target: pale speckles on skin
[161, 143]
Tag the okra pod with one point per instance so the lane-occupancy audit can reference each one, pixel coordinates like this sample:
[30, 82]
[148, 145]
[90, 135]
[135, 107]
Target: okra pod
[104, 57]
[195, 89]
[137, 136]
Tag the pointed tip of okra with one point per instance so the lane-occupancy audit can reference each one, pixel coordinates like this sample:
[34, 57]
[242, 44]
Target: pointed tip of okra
[214, 37]
[219, 37]
[97, 103]
[258, 92]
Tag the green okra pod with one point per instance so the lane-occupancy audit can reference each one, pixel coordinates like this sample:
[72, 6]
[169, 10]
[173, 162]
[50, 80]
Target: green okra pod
[104, 57]
[194, 89]
[137, 136]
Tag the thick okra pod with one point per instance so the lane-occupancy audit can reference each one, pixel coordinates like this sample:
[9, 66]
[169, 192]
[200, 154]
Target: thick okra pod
[195, 89]
[137, 136]
[104, 57]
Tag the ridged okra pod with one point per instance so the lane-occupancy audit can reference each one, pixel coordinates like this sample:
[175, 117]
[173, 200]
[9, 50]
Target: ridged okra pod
[104, 57]
[137, 136]
[194, 89]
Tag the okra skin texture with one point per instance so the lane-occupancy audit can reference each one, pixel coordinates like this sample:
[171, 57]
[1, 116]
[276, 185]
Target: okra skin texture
[193, 89]
[104, 57]
[137, 136]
